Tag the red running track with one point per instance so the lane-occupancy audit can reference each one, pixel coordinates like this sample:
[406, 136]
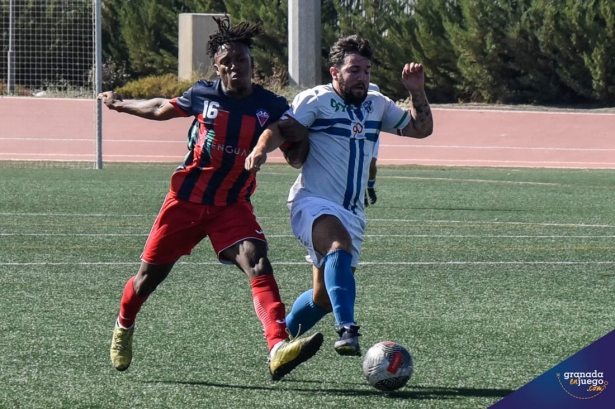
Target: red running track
[33, 129]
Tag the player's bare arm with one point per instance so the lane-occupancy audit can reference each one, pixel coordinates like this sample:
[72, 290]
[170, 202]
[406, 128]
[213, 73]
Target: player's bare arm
[296, 153]
[159, 109]
[288, 135]
[297, 144]
[421, 124]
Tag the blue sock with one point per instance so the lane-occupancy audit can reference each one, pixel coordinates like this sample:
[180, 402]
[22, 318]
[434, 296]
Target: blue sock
[341, 286]
[371, 183]
[304, 314]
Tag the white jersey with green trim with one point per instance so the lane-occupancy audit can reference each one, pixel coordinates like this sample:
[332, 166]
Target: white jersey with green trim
[342, 139]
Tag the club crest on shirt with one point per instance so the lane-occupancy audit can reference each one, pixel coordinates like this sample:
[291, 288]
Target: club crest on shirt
[262, 116]
[368, 107]
[358, 130]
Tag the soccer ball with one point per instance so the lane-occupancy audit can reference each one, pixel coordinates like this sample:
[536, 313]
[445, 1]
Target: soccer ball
[387, 366]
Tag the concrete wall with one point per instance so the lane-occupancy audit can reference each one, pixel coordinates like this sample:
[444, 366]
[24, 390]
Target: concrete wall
[304, 36]
[194, 32]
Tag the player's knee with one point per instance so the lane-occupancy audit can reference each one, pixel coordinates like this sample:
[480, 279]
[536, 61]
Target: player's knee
[149, 277]
[329, 234]
[341, 244]
[263, 267]
[321, 299]
[145, 284]
[257, 267]
[251, 258]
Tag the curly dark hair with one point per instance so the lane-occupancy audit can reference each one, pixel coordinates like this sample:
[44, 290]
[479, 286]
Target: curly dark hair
[241, 33]
[353, 44]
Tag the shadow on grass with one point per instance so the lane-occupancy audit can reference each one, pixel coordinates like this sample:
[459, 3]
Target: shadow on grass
[356, 389]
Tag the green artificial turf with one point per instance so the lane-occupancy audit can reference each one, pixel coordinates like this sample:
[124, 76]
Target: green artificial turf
[489, 277]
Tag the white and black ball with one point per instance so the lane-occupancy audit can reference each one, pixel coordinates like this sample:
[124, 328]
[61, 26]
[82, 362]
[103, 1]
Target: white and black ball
[388, 366]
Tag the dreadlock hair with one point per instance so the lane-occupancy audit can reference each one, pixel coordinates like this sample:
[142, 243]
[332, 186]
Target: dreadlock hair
[353, 44]
[241, 33]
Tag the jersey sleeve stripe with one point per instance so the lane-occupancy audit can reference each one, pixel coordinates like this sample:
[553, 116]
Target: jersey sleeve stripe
[401, 121]
[178, 108]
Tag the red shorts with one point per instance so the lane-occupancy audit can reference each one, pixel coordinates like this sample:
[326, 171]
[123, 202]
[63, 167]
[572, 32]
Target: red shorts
[181, 225]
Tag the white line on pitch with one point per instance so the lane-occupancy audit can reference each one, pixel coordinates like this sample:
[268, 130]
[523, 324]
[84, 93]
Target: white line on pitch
[296, 263]
[523, 112]
[12, 156]
[519, 148]
[543, 224]
[89, 140]
[511, 182]
[548, 224]
[78, 234]
[278, 236]
[384, 145]
[503, 163]
[75, 215]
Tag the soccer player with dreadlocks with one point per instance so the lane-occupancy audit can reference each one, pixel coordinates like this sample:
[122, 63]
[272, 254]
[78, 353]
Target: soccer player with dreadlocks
[210, 193]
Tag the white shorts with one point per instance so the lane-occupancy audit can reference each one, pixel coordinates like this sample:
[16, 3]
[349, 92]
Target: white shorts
[304, 211]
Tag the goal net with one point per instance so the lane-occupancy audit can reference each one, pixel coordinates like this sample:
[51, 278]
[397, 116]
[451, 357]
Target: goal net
[48, 54]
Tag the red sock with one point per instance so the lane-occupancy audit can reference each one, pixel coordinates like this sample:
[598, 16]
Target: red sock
[130, 305]
[269, 308]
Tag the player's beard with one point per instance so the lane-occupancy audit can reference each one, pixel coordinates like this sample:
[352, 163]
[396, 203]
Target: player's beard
[348, 95]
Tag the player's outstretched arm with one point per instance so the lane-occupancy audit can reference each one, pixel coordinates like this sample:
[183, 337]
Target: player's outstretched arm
[296, 153]
[421, 124]
[158, 109]
[269, 140]
[287, 134]
[297, 144]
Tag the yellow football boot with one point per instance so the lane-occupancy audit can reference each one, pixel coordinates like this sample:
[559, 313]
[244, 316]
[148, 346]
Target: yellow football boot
[291, 353]
[121, 347]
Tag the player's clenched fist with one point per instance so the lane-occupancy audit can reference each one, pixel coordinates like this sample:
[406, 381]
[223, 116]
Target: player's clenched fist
[254, 160]
[413, 76]
[110, 98]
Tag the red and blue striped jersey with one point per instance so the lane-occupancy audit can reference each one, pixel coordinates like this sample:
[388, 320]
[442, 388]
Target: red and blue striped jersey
[213, 171]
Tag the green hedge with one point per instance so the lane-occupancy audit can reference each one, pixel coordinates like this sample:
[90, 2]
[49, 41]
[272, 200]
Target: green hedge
[164, 86]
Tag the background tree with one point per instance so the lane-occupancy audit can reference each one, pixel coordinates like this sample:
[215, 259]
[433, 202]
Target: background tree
[425, 30]
[270, 49]
[150, 30]
[378, 21]
[484, 51]
[116, 61]
[580, 37]
[507, 51]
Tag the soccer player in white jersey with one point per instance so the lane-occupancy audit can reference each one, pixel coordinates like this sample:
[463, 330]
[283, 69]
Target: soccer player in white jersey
[344, 120]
